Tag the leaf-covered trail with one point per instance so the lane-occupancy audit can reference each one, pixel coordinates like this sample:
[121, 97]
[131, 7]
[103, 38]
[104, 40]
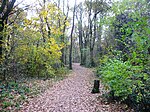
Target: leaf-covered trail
[72, 94]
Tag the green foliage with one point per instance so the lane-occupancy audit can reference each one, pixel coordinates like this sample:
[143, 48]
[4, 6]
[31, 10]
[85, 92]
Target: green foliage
[122, 78]
[6, 104]
[32, 47]
[12, 94]
[39, 60]
[62, 71]
[126, 81]
[125, 69]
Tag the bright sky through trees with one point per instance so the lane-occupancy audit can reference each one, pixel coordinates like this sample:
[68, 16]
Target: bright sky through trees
[32, 3]
[71, 2]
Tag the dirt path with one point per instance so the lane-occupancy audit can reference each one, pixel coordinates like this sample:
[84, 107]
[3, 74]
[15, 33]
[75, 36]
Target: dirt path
[69, 95]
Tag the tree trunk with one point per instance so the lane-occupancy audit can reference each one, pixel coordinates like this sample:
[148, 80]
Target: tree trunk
[70, 55]
[66, 51]
[85, 35]
[92, 63]
[71, 36]
[63, 57]
[91, 35]
[5, 9]
[96, 86]
[81, 43]
[79, 18]
[1, 38]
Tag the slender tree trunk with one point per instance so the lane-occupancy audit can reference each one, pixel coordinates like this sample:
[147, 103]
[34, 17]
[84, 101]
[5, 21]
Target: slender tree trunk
[90, 34]
[63, 57]
[93, 44]
[66, 51]
[1, 38]
[92, 63]
[85, 43]
[71, 36]
[85, 46]
[81, 42]
[63, 60]
[70, 56]
[63, 41]
[79, 18]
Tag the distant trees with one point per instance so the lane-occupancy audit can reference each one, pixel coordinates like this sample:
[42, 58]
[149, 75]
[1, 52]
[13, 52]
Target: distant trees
[79, 17]
[89, 33]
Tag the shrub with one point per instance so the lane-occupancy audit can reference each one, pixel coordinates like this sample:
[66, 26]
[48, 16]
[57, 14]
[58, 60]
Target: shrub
[127, 82]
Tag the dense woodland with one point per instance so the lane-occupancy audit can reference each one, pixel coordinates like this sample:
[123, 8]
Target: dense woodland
[111, 36]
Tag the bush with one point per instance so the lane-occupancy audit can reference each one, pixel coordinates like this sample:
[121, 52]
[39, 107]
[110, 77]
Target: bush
[128, 83]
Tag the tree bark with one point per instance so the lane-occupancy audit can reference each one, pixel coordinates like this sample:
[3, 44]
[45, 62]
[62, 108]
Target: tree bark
[91, 39]
[1, 38]
[63, 57]
[80, 34]
[71, 37]
[93, 43]
[96, 86]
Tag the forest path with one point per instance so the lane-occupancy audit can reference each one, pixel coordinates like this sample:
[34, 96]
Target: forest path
[72, 94]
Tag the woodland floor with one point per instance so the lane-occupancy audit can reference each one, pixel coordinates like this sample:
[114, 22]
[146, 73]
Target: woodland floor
[72, 94]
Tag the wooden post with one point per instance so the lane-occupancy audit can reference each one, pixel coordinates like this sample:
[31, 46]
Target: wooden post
[96, 86]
